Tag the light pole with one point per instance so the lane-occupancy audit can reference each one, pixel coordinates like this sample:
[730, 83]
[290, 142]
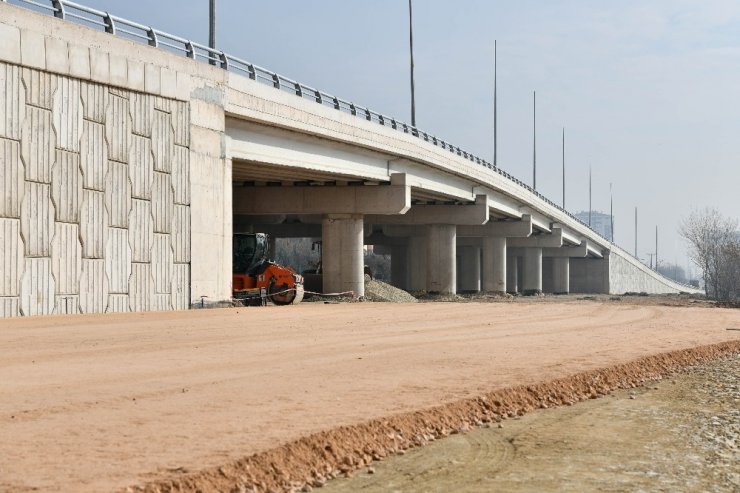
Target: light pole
[411, 49]
[495, 128]
[534, 140]
[212, 30]
[564, 170]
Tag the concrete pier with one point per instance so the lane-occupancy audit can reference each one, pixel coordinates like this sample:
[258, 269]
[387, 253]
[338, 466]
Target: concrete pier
[417, 258]
[441, 259]
[342, 253]
[512, 274]
[470, 269]
[494, 264]
[532, 271]
[561, 275]
[399, 266]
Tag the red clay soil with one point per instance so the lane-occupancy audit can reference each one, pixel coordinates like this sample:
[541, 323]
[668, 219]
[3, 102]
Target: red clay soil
[222, 399]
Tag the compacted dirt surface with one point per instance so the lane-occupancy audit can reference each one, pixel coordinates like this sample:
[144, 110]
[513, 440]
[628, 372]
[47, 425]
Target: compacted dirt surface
[682, 434]
[277, 397]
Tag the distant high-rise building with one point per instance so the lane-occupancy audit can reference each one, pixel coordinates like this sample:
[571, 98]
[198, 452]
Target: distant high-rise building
[600, 222]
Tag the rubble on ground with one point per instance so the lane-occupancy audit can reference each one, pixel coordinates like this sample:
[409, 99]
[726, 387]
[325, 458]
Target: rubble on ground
[380, 291]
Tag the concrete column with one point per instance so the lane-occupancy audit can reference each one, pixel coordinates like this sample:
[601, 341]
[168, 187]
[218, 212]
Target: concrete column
[470, 269]
[512, 274]
[342, 253]
[399, 266]
[494, 264]
[441, 261]
[561, 275]
[532, 271]
[417, 263]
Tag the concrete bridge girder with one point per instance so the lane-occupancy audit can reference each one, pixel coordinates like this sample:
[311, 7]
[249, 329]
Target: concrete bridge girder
[387, 199]
[476, 213]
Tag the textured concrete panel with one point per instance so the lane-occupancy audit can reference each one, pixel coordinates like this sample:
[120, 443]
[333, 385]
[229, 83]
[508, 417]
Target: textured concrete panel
[117, 260]
[68, 114]
[66, 258]
[181, 286]
[140, 167]
[79, 61]
[57, 55]
[11, 179]
[162, 137]
[161, 302]
[118, 303]
[162, 202]
[121, 93]
[141, 287]
[162, 263]
[66, 304]
[66, 186]
[99, 66]
[94, 99]
[9, 307]
[152, 80]
[118, 70]
[181, 174]
[38, 144]
[93, 156]
[37, 220]
[118, 128]
[181, 233]
[37, 287]
[142, 113]
[93, 224]
[40, 87]
[141, 232]
[181, 122]
[117, 194]
[11, 102]
[163, 104]
[33, 51]
[93, 286]
[135, 75]
[11, 256]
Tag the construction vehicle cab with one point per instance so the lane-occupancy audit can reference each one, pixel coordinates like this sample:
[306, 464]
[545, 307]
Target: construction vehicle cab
[255, 278]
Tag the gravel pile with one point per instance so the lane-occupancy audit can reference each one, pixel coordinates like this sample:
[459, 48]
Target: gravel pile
[380, 291]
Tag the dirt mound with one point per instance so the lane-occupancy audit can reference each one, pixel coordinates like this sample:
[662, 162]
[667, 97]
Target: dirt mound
[314, 459]
[380, 291]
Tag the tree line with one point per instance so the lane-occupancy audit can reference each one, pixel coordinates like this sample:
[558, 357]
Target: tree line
[714, 246]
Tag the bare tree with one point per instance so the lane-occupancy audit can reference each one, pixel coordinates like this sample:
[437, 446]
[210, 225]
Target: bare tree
[713, 247]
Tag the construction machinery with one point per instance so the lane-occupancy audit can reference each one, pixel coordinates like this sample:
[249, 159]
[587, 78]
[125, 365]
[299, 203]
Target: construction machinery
[256, 279]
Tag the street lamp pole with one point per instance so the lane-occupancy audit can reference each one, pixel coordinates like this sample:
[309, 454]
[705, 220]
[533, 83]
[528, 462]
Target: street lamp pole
[411, 49]
[212, 29]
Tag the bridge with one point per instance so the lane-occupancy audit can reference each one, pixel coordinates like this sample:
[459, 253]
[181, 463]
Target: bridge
[130, 156]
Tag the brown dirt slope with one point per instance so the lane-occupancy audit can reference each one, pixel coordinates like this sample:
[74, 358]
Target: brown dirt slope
[321, 456]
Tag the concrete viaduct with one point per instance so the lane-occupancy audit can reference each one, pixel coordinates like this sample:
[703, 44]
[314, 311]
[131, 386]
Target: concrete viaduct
[125, 168]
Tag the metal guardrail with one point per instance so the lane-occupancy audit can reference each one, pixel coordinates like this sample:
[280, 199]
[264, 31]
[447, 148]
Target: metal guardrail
[134, 31]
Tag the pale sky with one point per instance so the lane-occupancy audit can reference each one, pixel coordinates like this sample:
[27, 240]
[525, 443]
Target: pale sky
[649, 91]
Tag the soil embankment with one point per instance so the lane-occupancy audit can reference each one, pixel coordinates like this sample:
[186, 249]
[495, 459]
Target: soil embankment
[679, 434]
[98, 403]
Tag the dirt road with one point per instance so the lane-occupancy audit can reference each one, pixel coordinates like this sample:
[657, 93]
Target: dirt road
[96, 403]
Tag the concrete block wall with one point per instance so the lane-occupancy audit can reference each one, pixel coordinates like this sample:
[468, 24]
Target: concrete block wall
[94, 196]
[626, 275]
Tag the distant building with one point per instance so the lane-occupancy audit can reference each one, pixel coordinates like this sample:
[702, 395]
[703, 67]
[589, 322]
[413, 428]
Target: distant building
[600, 222]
